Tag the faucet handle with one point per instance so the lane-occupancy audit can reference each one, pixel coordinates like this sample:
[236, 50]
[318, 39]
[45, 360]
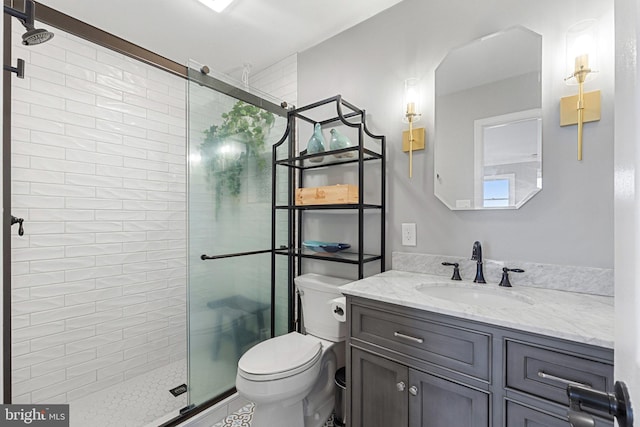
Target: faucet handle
[456, 270]
[505, 276]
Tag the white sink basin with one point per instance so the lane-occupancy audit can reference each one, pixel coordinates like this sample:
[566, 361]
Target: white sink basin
[485, 297]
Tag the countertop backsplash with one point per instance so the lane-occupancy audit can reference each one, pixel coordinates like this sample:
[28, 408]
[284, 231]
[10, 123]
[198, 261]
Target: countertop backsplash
[587, 280]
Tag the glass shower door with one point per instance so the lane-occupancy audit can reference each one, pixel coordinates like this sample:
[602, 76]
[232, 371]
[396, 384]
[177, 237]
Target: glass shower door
[229, 245]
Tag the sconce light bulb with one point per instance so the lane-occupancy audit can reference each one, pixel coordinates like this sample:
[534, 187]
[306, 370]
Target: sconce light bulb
[582, 62]
[581, 55]
[411, 99]
[583, 44]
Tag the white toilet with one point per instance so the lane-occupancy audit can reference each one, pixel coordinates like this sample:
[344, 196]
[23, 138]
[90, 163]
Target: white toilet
[290, 378]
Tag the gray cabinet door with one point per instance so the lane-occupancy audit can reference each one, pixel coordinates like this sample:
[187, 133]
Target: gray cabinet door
[441, 403]
[379, 391]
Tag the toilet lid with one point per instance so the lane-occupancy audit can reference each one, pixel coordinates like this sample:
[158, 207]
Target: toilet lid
[280, 357]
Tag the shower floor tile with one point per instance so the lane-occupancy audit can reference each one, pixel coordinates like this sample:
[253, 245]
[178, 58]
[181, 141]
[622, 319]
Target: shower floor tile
[135, 402]
[242, 418]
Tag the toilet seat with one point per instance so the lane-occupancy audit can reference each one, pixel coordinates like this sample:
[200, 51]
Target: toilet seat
[280, 357]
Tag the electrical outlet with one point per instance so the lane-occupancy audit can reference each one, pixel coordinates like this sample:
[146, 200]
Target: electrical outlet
[409, 234]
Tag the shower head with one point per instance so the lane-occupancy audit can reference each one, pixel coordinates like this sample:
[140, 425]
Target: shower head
[32, 36]
[35, 36]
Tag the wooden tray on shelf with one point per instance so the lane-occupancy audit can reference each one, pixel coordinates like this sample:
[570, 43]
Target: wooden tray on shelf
[327, 195]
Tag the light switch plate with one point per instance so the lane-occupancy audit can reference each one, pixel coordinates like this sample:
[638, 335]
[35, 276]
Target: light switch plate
[409, 234]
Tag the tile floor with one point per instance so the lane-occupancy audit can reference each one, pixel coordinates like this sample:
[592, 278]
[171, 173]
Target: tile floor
[242, 418]
[139, 401]
[143, 400]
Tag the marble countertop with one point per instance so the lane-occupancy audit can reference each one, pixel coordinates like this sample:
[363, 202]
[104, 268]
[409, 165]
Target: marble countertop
[572, 316]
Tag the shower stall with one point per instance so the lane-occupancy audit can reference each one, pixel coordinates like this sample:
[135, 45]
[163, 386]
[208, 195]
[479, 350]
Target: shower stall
[145, 266]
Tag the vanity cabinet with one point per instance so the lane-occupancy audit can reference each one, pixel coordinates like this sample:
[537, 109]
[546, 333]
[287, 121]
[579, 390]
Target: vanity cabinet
[409, 367]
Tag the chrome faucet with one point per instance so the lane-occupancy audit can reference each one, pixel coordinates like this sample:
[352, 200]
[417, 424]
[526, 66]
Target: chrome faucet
[476, 255]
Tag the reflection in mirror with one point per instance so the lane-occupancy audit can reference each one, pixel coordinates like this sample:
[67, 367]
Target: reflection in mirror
[507, 165]
[488, 148]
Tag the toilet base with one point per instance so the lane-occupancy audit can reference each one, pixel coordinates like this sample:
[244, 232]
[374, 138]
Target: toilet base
[320, 416]
[305, 399]
[277, 414]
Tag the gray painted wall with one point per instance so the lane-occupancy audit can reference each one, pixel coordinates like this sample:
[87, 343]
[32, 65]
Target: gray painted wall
[571, 220]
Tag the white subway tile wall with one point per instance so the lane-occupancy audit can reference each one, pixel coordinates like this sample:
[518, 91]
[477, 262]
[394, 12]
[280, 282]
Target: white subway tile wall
[280, 80]
[99, 277]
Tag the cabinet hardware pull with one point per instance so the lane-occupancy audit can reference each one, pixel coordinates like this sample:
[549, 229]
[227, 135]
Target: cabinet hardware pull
[413, 390]
[546, 376]
[408, 337]
[400, 386]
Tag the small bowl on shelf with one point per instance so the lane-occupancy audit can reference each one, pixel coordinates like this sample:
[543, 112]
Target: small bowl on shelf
[331, 247]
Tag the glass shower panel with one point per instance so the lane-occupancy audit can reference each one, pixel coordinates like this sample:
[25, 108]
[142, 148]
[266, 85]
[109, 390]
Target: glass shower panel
[230, 223]
[230, 309]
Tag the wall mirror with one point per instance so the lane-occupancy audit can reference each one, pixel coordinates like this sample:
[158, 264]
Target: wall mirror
[488, 122]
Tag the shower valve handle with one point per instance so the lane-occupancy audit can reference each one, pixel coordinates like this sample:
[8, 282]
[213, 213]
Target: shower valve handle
[19, 221]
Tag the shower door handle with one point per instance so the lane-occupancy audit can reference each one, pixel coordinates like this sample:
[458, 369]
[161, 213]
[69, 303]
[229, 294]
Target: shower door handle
[205, 257]
[19, 221]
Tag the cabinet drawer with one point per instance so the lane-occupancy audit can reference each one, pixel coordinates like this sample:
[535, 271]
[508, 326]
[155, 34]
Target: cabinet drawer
[447, 346]
[522, 416]
[545, 372]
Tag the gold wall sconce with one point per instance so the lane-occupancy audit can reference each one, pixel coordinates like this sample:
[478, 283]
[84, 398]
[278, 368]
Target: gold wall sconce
[413, 139]
[582, 64]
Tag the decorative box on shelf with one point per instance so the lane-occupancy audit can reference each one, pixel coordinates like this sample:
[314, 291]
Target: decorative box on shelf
[327, 195]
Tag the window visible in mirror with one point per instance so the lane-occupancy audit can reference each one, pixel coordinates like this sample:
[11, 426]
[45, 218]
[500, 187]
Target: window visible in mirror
[498, 192]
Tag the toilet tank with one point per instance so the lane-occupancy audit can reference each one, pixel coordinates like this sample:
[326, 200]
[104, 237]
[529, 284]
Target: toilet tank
[316, 293]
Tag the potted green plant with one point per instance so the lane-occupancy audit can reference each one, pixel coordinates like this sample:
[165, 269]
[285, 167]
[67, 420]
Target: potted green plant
[228, 146]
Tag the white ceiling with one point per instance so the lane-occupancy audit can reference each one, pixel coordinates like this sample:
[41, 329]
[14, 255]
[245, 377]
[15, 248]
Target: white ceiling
[257, 32]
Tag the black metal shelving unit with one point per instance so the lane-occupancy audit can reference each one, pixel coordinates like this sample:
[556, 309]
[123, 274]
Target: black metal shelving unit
[296, 164]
